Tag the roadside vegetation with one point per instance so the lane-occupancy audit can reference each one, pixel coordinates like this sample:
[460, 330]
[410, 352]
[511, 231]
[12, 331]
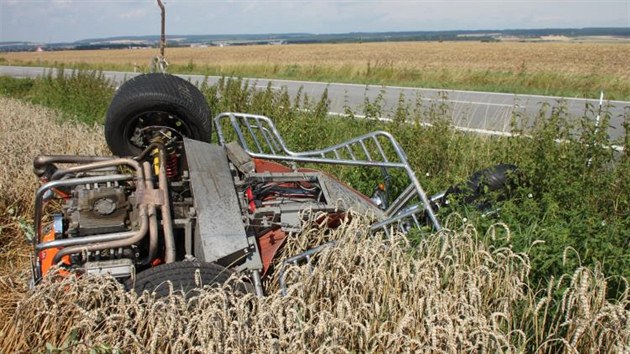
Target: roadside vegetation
[548, 272]
[560, 69]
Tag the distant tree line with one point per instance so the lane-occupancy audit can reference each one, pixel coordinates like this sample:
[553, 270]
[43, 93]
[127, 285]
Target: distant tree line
[305, 38]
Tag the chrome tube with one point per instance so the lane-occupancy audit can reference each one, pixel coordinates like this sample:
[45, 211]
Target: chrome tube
[40, 162]
[424, 199]
[75, 241]
[258, 288]
[153, 224]
[167, 221]
[402, 199]
[437, 196]
[101, 164]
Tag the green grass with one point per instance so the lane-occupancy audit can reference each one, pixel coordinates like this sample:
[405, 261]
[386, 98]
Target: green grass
[82, 96]
[576, 193]
[17, 88]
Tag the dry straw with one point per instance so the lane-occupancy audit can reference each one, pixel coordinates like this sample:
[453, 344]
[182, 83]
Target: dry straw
[366, 294]
[28, 130]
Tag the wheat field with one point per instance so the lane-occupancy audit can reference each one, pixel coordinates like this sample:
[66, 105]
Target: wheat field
[367, 294]
[582, 58]
[456, 291]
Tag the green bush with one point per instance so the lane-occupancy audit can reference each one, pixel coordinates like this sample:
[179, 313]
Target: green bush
[83, 95]
[79, 95]
[577, 189]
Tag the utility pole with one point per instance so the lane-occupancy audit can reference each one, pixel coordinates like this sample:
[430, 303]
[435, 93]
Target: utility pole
[159, 62]
[163, 28]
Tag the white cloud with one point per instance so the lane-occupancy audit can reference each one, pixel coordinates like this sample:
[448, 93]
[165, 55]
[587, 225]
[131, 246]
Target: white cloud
[134, 14]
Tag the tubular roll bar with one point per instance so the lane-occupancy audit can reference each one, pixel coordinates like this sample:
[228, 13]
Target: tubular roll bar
[259, 137]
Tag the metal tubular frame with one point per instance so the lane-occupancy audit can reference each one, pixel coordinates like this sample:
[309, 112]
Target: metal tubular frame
[268, 144]
[153, 222]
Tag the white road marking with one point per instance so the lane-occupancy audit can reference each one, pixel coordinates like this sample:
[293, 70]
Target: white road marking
[618, 148]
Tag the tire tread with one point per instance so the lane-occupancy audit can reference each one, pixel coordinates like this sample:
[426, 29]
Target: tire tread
[148, 90]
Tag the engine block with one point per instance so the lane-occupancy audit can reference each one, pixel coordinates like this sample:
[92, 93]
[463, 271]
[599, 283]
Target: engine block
[99, 210]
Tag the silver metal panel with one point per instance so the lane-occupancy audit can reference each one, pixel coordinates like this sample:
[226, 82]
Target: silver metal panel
[118, 268]
[342, 196]
[220, 231]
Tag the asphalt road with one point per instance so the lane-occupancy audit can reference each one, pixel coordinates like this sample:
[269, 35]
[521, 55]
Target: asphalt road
[481, 112]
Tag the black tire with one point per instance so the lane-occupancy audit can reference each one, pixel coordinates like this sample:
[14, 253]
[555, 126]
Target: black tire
[477, 189]
[155, 102]
[186, 278]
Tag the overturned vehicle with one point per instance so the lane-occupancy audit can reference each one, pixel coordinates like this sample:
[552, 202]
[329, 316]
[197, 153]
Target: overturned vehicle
[175, 207]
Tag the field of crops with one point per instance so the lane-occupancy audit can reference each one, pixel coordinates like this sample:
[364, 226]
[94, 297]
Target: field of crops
[547, 274]
[571, 69]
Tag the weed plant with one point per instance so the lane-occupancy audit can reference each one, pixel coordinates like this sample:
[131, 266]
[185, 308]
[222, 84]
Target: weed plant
[81, 96]
[574, 192]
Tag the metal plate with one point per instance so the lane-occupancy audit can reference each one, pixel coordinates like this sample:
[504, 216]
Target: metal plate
[220, 231]
[345, 198]
[118, 268]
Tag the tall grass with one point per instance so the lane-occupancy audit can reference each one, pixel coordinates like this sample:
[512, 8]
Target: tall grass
[81, 96]
[27, 130]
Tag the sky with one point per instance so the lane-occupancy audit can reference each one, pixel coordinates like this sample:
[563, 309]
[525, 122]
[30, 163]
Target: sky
[71, 20]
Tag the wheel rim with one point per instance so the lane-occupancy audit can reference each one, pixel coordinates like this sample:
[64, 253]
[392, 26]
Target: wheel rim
[147, 126]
